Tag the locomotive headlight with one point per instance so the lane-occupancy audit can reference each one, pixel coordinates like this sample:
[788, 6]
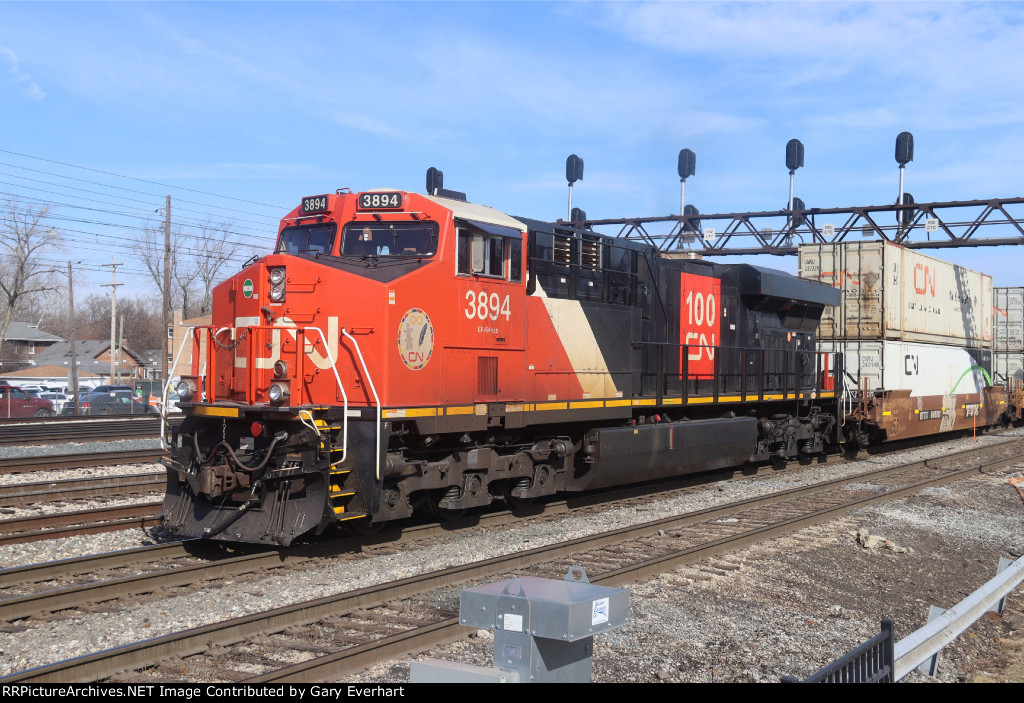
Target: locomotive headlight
[278, 392]
[280, 368]
[186, 388]
[277, 284]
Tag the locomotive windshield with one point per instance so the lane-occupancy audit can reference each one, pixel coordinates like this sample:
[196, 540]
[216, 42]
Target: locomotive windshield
[389, 239]
[307, 239]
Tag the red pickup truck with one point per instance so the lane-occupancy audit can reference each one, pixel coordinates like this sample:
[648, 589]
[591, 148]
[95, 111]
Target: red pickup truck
[15, 402]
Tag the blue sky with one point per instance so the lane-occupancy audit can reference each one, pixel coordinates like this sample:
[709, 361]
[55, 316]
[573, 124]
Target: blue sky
[258, 104]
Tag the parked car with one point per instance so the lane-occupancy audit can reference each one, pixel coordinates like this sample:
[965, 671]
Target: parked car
[15, 402]
[110, 403]
[58, 400]
[33, 388]
[107, 389]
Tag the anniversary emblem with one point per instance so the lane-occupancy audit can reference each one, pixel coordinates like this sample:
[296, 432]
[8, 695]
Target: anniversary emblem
[415, 339]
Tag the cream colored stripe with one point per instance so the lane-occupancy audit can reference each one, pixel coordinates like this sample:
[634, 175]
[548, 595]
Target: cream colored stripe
[577, 337]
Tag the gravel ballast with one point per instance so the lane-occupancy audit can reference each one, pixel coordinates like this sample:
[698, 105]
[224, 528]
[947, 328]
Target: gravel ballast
[791, 606]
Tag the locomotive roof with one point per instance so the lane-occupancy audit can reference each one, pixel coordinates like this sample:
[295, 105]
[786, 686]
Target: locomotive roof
[781, 284]
[480, 213]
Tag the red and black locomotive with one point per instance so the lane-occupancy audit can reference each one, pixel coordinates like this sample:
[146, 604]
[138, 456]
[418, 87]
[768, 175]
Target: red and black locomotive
[401, 351]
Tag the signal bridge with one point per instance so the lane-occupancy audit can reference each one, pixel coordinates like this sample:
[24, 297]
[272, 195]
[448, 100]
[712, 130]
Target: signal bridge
[912, 225]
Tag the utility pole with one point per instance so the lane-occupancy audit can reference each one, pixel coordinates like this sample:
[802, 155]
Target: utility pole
[113, 317]
[164, 375]
[120, 346]
[74, 359]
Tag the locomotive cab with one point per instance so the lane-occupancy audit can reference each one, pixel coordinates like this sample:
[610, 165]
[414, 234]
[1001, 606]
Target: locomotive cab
[300, 368]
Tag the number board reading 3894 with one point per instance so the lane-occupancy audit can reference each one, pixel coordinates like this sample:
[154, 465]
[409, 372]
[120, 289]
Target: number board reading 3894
[380, 201]
[313, 204]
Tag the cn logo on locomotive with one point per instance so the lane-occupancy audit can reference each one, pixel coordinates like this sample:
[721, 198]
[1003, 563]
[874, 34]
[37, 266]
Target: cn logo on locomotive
[699, 321]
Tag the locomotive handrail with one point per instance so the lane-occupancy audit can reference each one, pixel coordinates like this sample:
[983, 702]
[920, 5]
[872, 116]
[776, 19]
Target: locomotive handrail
[373, 389]
[163, 398]
[299, 330]
[783, 371]
[341, 387]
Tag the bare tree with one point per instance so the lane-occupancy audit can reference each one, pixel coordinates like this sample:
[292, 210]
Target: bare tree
[142, 320]
[149, 250]
[24, 240]
[218, 246]
[183, 277]
[199, 258]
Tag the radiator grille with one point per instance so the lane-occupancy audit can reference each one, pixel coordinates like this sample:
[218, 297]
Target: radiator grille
[487, 375]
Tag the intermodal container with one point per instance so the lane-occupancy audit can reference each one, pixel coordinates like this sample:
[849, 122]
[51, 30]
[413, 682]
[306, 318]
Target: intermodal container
[1008, 313]
[922, 369]
[1007, 366]
[893, 293]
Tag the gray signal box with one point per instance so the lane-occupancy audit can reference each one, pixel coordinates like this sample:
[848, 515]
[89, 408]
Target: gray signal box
[543, 629]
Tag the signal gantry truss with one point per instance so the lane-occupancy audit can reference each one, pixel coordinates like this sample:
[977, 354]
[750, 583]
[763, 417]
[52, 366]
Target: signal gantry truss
[942, 224]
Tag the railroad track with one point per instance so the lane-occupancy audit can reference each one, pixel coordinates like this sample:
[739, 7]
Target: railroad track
[80, 489]
[34, 431]
[25, 464]
[78, 522]
[27, 591]
[339, 634]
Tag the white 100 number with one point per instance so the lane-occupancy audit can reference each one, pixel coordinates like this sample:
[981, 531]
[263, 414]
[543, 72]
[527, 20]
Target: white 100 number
[481, 306]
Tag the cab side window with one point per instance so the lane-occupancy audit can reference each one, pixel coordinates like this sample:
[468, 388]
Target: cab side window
[464, 265]
[486, 255]
[515, 260]
[494, 257]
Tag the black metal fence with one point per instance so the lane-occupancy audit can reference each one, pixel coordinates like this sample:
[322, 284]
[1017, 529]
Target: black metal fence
[871, 662]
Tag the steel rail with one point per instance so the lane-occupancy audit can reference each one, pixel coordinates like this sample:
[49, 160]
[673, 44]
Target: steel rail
[28, 431]
[19, 530]
[77, 517]
[90, 529]
[78, 488]
[73, 596]
[49, 570]
[77, 461]
[140, 654]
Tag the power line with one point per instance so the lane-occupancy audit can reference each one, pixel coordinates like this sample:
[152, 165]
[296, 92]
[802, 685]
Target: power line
[133, 178]
[179, 224]
[218, 211]
[184, 222]
[181, 230]
[149, 205]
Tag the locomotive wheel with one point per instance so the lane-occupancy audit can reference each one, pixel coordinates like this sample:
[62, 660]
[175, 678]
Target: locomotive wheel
[514, 502]
[443, 514]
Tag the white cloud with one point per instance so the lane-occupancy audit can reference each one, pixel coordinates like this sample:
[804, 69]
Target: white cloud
[873, 117]
[371, 125]
[26, 86]
[696, 122]
[950, 56]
